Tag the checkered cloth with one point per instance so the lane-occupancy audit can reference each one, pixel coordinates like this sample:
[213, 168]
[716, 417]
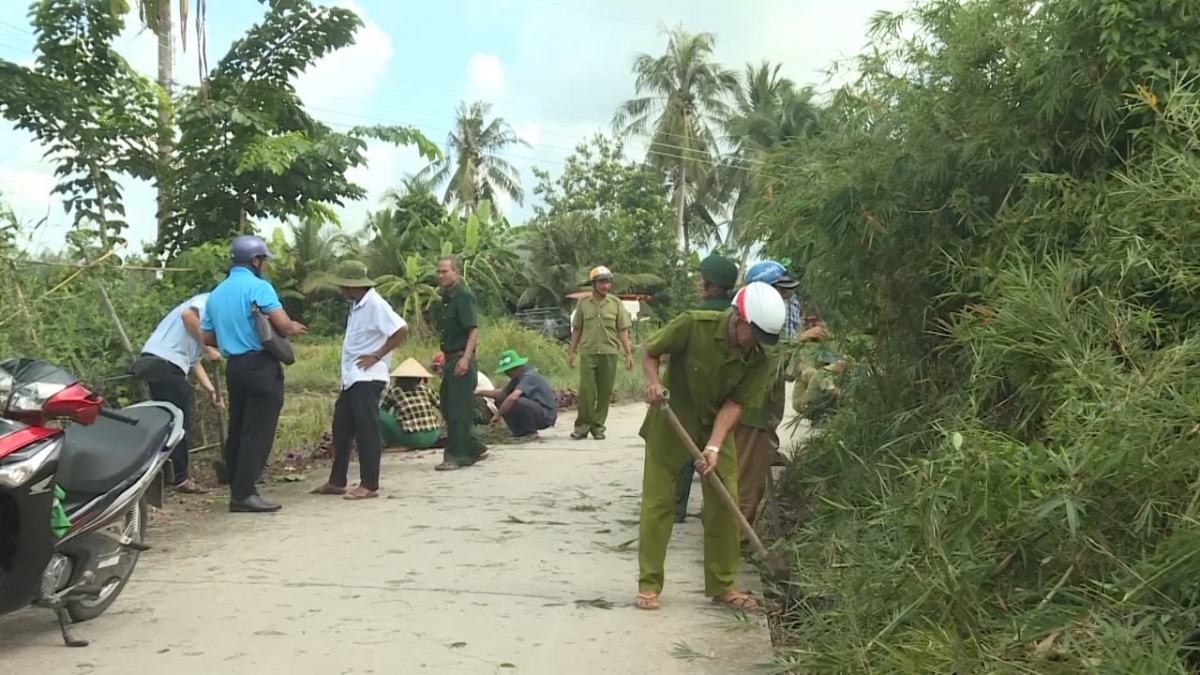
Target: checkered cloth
[415, 410]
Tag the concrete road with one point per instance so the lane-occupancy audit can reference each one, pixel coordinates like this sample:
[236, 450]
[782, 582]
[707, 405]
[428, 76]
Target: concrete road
[506, 567]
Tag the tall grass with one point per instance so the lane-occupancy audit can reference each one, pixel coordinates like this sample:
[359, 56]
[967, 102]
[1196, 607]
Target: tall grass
[318, 360]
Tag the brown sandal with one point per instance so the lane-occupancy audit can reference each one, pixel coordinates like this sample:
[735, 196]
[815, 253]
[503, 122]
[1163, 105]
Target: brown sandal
[190, 487]
[329, 490]
[647, 600]
[361, 492]
[737, 600]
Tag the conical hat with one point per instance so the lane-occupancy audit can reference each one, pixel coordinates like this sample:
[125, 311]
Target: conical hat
[411, 368]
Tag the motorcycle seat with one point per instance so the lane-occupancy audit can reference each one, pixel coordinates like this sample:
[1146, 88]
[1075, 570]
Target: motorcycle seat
[100, 456]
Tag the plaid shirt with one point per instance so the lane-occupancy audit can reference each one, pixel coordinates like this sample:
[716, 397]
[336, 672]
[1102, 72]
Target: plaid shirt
[415, 410]
[791, 325]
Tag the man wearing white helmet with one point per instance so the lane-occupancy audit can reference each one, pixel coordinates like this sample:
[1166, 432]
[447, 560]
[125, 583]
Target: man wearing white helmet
[717, 366]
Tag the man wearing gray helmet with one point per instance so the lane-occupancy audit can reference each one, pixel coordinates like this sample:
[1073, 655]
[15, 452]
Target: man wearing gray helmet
[253, 376]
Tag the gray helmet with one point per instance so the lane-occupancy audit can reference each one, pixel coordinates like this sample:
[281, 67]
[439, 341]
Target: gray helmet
[247, 247]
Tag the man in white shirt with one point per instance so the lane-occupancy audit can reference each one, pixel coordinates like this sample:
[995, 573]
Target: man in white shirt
[373, 330]
[173, 349]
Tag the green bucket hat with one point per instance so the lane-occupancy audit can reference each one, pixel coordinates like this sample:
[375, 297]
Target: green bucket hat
[510, 359]
[351, 274]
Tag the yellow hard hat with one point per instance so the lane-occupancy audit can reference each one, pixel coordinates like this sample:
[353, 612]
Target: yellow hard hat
[600, 273]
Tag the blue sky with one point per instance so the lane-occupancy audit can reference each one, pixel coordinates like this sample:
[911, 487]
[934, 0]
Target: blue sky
[555, 69]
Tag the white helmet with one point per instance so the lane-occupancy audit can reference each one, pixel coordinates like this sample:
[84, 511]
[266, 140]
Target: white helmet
[761, 306]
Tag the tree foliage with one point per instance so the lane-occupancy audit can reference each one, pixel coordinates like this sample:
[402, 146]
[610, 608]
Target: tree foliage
[473, 170]
[248, 149]
[1006, 201]
[683, 96]
[95, 114]
[601, 210]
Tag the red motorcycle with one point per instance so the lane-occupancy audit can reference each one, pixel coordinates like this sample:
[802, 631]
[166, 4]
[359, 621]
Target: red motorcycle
[108, 466]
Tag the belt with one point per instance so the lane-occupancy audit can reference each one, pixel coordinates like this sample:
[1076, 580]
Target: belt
[455, 355]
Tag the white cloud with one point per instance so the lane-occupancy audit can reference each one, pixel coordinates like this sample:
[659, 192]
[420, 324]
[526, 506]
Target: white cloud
[27, 179]
[529, 131]
[485, 78]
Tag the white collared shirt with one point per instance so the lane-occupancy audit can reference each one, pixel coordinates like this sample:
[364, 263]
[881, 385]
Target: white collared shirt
[170, 339]
[371, 322]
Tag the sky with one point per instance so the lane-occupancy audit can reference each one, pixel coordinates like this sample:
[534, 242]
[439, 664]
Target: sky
[554, 69]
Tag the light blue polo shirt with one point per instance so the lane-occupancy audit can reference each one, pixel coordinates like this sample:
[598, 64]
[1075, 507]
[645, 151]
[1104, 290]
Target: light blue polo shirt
[227, 313]
[170, 339]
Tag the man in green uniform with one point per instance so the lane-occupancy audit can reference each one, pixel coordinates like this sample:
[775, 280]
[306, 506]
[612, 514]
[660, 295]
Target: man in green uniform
[821, 391]
[458, 326]
[716, 367]
[599, 327]
[757, 436]
[718, 276]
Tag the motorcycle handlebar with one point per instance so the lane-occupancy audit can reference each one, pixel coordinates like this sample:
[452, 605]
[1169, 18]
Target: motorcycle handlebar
[118, 417]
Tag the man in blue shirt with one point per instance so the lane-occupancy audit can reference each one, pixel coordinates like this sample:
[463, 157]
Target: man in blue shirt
[174, 348]
[253, 376]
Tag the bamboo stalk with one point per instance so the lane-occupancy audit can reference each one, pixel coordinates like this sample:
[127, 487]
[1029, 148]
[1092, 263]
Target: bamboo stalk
[12, 272]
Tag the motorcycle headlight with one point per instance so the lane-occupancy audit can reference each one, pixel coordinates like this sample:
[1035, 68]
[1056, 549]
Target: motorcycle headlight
[20, 467]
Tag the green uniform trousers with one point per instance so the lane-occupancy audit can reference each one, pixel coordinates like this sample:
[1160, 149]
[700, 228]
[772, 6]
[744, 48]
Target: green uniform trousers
[464, 444]
[721, 529]
[597, 376]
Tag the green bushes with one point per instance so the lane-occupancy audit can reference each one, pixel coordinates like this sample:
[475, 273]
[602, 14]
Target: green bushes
[1009, 205]
[317, 360]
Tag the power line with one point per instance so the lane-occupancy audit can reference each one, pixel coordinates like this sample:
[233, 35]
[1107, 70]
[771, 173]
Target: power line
[460, 92]
[646, 25]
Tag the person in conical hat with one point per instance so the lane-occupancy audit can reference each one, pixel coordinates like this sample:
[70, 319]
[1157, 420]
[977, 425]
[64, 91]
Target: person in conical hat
[408, 410]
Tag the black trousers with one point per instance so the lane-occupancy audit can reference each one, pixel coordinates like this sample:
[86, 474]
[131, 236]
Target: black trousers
[176, 390]
[255, 383]
[356, 417]
[526, 418]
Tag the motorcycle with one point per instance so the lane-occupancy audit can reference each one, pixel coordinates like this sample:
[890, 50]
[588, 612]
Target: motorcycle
[108, 465]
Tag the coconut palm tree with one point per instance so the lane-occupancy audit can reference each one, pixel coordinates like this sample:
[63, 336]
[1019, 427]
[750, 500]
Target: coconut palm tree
[768, 110]
[682, 99]
[472, 169]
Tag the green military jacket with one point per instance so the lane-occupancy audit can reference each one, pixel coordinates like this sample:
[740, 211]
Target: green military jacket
[717, 302]
[600, 324]
[456, 318]
[819, 398]
[702, 374]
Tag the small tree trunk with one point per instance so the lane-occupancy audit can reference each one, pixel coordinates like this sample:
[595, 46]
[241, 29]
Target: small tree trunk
[165, 80]
[108, 305]
[681, 197]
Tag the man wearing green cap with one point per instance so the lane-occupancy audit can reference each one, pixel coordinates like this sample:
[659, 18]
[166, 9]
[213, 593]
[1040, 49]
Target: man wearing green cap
[373, 329]
[458, 325]
[599, 327]
[526, 403]
[718, 276]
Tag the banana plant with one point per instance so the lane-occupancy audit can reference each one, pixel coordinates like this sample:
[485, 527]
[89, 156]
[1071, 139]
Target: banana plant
[412, 291]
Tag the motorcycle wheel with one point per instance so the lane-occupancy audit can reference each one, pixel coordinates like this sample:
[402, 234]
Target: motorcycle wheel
[132, 525]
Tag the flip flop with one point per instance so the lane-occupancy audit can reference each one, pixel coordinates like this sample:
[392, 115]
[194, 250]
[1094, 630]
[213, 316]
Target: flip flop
[737, 600]
[356, 495]
[328, 490]
[646, 600]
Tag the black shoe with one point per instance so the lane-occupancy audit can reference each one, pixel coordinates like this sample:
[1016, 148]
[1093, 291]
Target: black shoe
[252, 504]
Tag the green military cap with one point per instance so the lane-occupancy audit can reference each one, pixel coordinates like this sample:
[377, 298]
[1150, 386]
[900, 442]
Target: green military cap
[719, 271]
